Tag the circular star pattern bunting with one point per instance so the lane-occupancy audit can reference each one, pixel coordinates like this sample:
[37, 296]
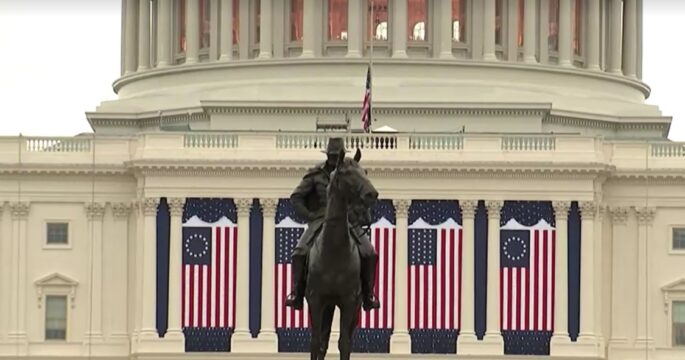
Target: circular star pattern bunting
[197, 245]
[514, 248]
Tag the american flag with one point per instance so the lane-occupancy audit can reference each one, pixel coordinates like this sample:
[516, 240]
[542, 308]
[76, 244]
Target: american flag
[435, 241]
[288, 232]
[383, 241]
[527, 272]
[209, 265]
[366, 105]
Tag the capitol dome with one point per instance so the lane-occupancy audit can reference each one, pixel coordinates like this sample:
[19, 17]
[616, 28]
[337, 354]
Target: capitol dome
[562, 66]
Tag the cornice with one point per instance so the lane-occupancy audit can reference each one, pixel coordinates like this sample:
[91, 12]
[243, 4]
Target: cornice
[64, 169]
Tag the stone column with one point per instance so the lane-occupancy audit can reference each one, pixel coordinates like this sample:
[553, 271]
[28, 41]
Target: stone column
[587, 336]
[565, 33]
[400, 342]
[444, 19]
[241, 339]
[630, 38]
[467, 342]
[265, 31]
[354, 28]
[593, 49]
[192, 31]
[144, 35]
[490, 13]
[119, 312]
[643, 338]
[309, 37]
[620, 279]
[174, 331]
[267, 334]
[529, 25]
[399, 33]
[616, 36]
[226, 29]
[131, 36]
[561, 343]
[148, 327]
[164, 30]
[95, 213]
[493, 344]
[17, 333]
[601, 292]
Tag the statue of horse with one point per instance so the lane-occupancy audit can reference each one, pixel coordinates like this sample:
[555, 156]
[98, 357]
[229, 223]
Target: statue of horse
[333, 275]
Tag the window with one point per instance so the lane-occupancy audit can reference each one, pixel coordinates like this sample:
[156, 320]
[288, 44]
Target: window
[55, 317]
[553, 37]
[678, 238]
[236, 21]
[459, 21]
[204, 24]
[521, 21]
[678, 323]
[296, 20]
[577, 26]
[182, 25]
[417, 17]
[499, 22]
[257, 21]
[378, 25]
[337, 20]
[57, 233]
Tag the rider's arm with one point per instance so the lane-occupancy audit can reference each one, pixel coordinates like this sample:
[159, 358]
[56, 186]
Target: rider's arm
[297, 198]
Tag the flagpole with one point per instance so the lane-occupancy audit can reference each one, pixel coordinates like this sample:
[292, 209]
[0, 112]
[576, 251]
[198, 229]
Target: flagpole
[373, 35]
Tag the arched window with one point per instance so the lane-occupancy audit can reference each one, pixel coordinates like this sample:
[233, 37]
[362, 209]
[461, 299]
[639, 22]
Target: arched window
[382, 31]
[377, 26]
[459, 20]
[417, 18]
[296, 20]
[337, 20]
[419, 31]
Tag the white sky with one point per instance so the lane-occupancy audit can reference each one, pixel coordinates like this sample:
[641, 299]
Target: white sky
[58, 59]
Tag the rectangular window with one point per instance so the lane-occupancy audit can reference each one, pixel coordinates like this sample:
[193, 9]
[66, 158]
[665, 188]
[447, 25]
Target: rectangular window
[499, 21]
[296, 20]
[521, 22]
[459, 21]
[417, 20]
[55, 317]
[377, 24]
[236, 22]
[678, 238]
[257, 21]
[577, 26]
[678, 323]
[182, 25]
[553, 37]
[204, 24]
[337, 20]
[58, 233]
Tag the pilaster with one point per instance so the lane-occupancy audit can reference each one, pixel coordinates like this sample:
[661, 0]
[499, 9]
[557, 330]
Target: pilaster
[241, 340]
[119, 236]
[267, 339]
[560, 344]
[148, 338]
[587, 344]
[174, 335]
[467, 342]
[493, 343]
[399, 33]
[17, 337]
[400, 342]
[620, 280]
[645, 218]
[95, 213]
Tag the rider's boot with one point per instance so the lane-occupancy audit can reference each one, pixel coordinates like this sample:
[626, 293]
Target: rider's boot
[368, 271]
[295, 299]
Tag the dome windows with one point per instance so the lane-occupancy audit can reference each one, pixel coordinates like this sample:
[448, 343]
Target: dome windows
[337, 20]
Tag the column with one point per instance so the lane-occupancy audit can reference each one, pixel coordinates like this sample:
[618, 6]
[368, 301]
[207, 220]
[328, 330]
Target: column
[4, 287]
[444, 18]
[119, 235]
[265, 32]
[354, 28]
[144, 35]
[400, 342]
[476, 37]
[560, 340]
[267, 332]
[131, 36]
[241, 337]
[621, 285]
[174, 330]
[565, 33]
[148, 327]
[593, 50]
[20, 213]
[616, 37]
[309, 19]
[493, 337]
[164, 16]
[630, 39]
[511, 12]
[643, 338]
[529, 24]
[588, 210]
[467, 336]
[244, 35]
[399, 29]
[95, 213]
[489, 14]
[601, 292]
[226, 29]
[192, 31]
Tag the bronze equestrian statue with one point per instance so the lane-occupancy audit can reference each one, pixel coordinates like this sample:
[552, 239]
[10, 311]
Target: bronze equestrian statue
[309, 202]
[334, 262]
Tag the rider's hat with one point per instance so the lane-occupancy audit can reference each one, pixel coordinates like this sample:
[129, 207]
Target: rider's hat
[335, 144]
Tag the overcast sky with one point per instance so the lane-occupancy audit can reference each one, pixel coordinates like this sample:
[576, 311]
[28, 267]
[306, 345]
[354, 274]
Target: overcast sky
[58, 59]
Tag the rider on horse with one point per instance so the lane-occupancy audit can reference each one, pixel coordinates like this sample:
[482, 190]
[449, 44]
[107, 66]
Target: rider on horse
[309, 202]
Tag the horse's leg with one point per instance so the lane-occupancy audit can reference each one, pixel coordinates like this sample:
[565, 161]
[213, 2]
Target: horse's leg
[315, 312]
[348, 323]
[326, 325]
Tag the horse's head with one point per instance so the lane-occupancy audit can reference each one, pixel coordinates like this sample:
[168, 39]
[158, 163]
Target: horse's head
[350, 181]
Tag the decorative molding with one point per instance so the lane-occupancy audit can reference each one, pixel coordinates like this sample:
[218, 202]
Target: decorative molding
[121, 210]
[19, 210]
[645, 215]
[673, 291]
[56, 284]
[150, 205]
[176, 205]
[494, 208]
[401, 207]
[561, 209]
[588, 210]
[468, 208]
[268, 206]
[94, 211]
[619, 215]
[243, 206]
[601, 212]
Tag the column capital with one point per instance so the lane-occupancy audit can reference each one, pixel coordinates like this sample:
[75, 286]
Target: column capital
[468, 208]
[588, 209]
[561, 209]
[601, 211]
[176, 205]
[619, 214]
[645, 215]
[94, 211]
[19, 210]
[494, 207]
[401, 207]
[243, 206]
[268, 206]
[149, 206]
[121, 210]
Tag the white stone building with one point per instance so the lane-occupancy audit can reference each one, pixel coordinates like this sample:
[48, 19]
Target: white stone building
[495, 111]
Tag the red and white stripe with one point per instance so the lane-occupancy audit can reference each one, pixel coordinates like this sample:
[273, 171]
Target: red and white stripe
[287, 317]
[208, 292]
[527, 295]
[434, 291]
[383, 241]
